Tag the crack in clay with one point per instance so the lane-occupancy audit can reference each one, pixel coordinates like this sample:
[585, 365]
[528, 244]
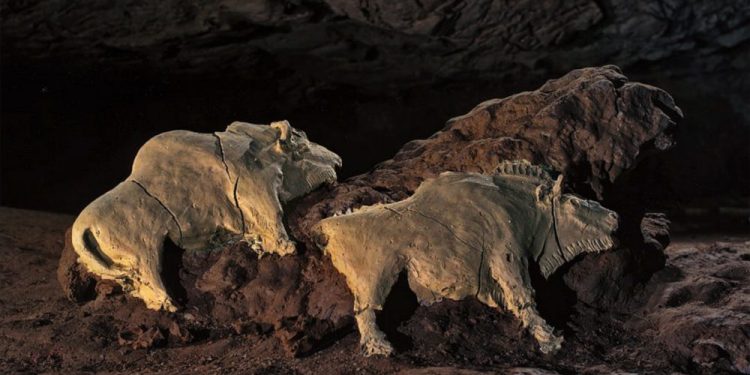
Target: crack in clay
[392, 210]
[237, 203]
[557, 237]
[174, 217]
[481, 263]
[220, 147]
[446, 227]
[544, 245]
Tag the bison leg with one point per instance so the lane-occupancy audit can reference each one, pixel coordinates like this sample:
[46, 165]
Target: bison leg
[262, 213]
[372, 339]
[150, 287]
[370, 289]
[514, 283]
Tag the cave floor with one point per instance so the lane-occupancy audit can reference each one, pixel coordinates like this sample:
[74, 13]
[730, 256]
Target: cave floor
[695, 319]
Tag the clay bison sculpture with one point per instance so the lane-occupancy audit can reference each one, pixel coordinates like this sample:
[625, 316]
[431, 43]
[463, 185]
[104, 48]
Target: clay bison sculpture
[462, 235]
[198, 190]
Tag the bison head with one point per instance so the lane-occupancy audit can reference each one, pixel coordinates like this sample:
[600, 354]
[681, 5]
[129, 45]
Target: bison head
[306, 165]
[578, 226]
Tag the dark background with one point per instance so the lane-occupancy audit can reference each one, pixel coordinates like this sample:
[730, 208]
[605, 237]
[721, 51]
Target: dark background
[85, 83]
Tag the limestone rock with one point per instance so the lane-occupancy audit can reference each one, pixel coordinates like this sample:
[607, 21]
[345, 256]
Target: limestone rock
[77, 284]
[655, 230]
[591, 125]
[462, 235]
[349, 41]
[198, 191]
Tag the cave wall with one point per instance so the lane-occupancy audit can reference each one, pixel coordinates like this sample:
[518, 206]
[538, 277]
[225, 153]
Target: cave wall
[84, 84]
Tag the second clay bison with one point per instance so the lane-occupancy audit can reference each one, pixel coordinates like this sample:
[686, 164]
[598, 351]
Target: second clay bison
[462, 235]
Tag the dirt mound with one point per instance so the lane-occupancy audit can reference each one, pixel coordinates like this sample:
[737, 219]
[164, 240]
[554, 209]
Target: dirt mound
[302, 299]
[591, 125]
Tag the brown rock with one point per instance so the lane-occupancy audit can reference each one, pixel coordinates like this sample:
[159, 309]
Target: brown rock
[77, 284]
[655, 229]
[179, 333]
[141, 337]
[590, 124]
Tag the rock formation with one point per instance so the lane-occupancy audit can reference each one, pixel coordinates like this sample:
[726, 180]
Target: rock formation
[199, 191]
[466, 235]
[589, 125]
[346, 41]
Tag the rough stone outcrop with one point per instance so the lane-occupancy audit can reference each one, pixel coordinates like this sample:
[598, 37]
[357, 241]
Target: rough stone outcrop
[700, 310]
[302, 300]
[347, 41]
[380, 65]
[591, 124]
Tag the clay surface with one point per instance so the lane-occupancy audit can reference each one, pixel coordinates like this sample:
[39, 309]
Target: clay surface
[199, 191]
[466, 235]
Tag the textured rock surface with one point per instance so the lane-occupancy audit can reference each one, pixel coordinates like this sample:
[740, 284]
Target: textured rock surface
[198, 191]
[466, 235]
[591, 125]
[703, 311]
[436, 37]
[303, 301]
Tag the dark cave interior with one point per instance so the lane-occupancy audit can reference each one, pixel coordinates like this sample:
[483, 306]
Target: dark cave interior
[83, 85]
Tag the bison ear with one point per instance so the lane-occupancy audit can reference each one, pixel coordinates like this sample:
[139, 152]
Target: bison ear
[557, 188]
[542, 193]
[285, 131]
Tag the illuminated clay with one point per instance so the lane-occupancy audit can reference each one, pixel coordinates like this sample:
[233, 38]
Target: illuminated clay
[199, 190]
[462, 235]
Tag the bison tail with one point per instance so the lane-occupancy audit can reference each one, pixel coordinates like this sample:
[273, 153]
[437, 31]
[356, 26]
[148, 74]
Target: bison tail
[89, 252]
